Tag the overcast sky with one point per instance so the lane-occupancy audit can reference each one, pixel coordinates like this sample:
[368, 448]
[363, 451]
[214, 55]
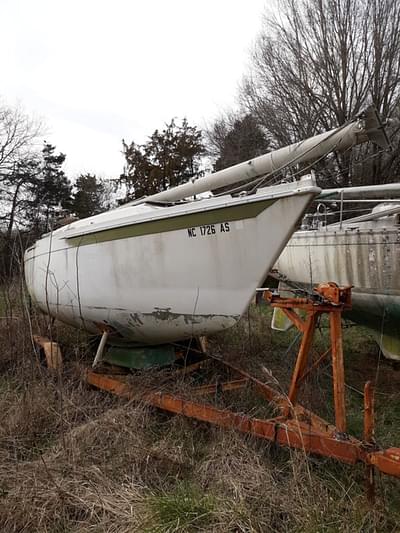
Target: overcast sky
[99, 71]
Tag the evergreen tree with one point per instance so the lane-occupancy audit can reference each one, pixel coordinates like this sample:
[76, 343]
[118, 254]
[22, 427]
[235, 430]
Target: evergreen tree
[88, 198]
[170, 157]
[21, 183]
[17, 188]
[233, 139]
[51, 195]
[243, 140]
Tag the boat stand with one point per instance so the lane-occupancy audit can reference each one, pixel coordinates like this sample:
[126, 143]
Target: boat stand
[293, 425]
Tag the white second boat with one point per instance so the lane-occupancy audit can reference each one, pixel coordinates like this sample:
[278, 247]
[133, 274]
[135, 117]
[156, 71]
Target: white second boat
[363, 252]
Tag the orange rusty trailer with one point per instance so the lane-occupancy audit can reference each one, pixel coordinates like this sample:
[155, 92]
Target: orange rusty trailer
[293, 425]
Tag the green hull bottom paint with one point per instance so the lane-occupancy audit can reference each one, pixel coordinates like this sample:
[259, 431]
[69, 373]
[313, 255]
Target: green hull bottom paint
[140, 358]
[389, 344]
[384, 328]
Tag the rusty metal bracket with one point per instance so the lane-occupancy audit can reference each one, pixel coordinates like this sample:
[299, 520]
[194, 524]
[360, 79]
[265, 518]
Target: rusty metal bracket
[332, 301]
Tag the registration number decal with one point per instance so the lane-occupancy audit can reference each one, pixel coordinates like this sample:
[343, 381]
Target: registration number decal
[209, 229]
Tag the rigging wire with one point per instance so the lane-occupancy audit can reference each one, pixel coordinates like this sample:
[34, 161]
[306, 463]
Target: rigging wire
[259, 180]
[299, 172]
[356, 163]
[334, 213]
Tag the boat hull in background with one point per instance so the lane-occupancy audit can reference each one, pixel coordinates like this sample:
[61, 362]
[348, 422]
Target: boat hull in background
[368, 259]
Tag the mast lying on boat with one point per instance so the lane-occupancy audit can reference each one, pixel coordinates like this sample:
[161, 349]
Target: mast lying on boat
[366, 127]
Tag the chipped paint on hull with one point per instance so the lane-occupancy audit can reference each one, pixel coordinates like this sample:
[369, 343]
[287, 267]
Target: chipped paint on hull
[367, 259]
[133, 326]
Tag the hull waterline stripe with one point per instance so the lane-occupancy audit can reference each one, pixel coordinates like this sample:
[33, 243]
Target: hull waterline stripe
[214, 216]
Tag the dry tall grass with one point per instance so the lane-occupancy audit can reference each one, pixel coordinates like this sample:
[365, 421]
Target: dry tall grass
[73, 459]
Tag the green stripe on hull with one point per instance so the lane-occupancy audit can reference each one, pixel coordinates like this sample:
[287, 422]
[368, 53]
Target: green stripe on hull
[214, 216]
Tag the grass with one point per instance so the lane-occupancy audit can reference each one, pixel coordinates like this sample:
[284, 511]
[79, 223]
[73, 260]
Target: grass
[74, 459]
[184, 508]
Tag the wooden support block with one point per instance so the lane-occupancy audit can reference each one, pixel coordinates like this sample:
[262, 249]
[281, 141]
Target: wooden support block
[52, 352]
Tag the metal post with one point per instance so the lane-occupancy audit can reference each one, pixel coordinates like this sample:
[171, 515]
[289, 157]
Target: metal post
[338, 369]
[100, 349]
[302, 357]
[369, 437]
[369, 412]
[341, 209]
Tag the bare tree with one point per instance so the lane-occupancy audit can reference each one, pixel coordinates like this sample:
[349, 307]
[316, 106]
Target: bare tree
[18, 132]
[18, 136]
[215, 133]
[318, 65]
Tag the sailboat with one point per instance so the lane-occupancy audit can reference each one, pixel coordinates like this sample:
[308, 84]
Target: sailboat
[172, 266]
[362, 251]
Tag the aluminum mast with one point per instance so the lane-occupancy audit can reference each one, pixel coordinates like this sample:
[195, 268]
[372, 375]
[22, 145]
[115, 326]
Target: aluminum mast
[365, 127]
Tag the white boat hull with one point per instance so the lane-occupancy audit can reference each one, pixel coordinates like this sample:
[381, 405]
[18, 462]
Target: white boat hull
[368, 259]
[162, 284]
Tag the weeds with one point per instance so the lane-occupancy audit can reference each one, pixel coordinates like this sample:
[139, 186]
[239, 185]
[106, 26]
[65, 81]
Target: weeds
[78, 460]
[185, 508]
